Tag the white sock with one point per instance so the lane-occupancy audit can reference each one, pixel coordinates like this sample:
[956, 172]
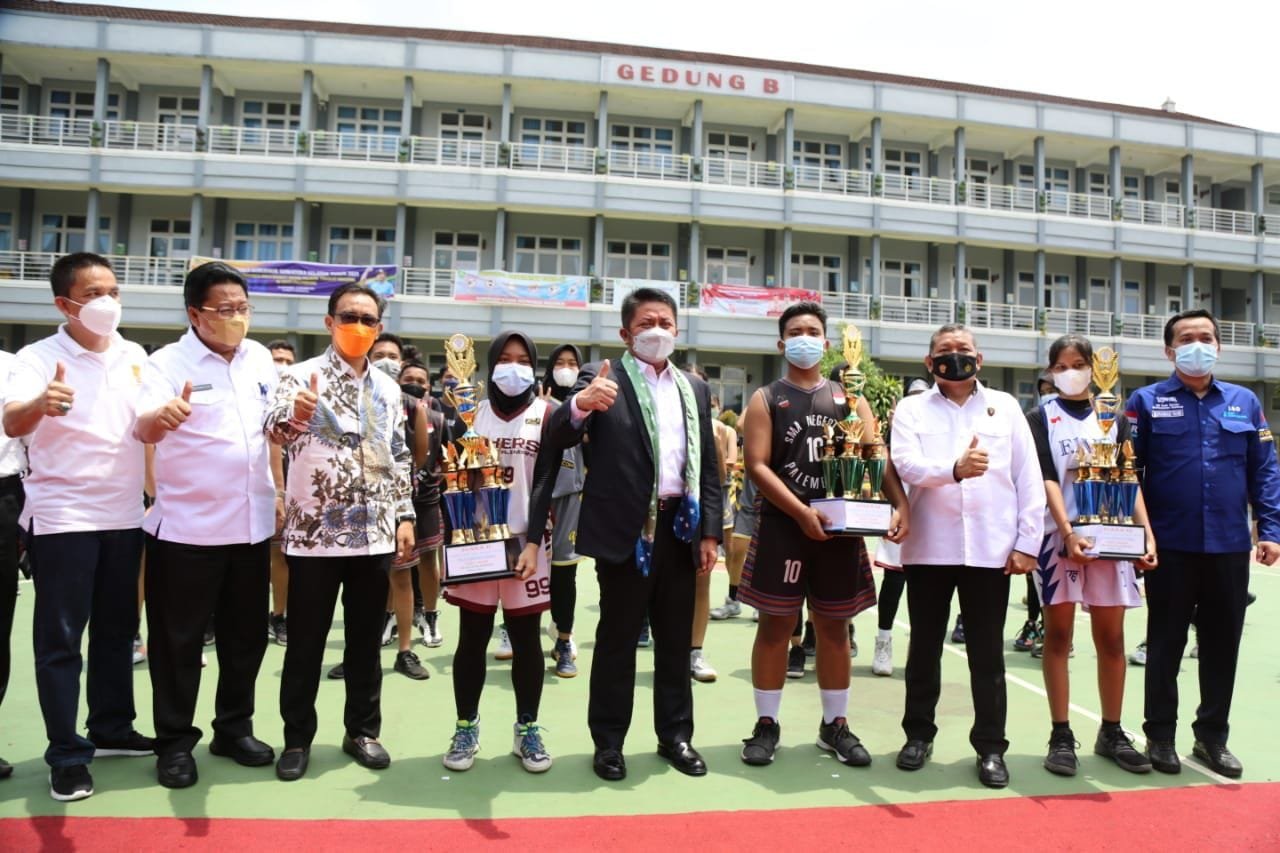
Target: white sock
[835, 704]
[884, 634]
[768, 703]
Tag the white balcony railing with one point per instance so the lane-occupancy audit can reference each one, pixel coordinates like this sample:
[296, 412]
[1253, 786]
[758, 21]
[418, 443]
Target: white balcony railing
[1270, 334]
[610, 287]
[1062, 321]
[150, 136]
[849, 306]
[1152, 213]
[341, 145]
[839, 181]
[998, 315]
[1236, 334]
[742, 173]
[46, 130]
[129, 269]
[553, 158]
[644, 164]
[913, 188]
[1000, 197]
[425, 281]
[1147, 327]
[1271, 225]
[916, 310]
[465, 153]
[1226, 221]
[252, 142]
[1078, 205]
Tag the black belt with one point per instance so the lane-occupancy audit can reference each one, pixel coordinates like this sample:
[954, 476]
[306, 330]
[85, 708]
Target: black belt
[11, 480]
[670, 504]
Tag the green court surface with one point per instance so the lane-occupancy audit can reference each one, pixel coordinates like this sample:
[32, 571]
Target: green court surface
[419, 718]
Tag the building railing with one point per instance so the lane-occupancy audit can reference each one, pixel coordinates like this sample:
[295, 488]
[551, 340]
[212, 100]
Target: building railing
[254, 141]
[840, 181]
[150, 136]
[465, 153]
[1147, 327]
[129, 269]
[1079, 205]
[1000, 197]
[1226, 221]
[608, 290]
[1063, 321]
[915, 188]
[742, 173]
[916, 310]
[46, 130]
[1271, 225]
[848, 306]
[426, 281]
[1000, 315]
[1233, 333]
[1151, 213]
[553, 158]
[645, 164]
[344, 145]
[1269, 335]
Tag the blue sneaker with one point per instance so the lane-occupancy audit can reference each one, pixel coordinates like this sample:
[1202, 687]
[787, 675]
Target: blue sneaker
[529, 749]
[464, 746]
[565, 667]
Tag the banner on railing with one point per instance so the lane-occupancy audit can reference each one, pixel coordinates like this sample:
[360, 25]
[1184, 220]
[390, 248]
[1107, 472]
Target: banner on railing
[305, 278]
[753, 301]
[571, 291]
[623, 286]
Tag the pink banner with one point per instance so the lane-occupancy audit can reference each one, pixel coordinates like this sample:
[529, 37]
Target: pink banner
[753, 301]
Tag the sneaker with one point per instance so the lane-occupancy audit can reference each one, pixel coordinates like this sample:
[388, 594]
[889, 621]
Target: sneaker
[758, 749]
[67, 784]
[853, 643]
[729, 610]
[504, 645]
[957, 633]
[809, 643]
[139, 650]
[699, 668]
[563, 653]
[420, 622]
[1118, 746]
[1026, 639]
[1138, 657]
[389, 629]
[408, 664]
[464, 746]
[204, 660]
[795, 662]
[882, 659]
[835, 737]
[1038, 651]
[132, 745]
[279, 629]
[337, 672]
[755, 615]
[209, 638]
[431, 636]
[1195, 651]
[1061, 759]
[529, 749]
[642, 642]
[554, 634]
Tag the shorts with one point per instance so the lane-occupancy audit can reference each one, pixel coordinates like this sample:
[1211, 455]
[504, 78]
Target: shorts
[784, 567]
[428, 535]
[744, 523]
[889, 556]
[565, 510]
[1101, 583]
[518, 597]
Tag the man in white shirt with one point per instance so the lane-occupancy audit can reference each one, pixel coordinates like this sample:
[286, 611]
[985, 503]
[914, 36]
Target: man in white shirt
[13, 463]
[72, 397]
[977, 507]
[208, 533]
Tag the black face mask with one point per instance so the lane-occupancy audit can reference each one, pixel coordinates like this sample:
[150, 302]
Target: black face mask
[955, 366]
[414, 390]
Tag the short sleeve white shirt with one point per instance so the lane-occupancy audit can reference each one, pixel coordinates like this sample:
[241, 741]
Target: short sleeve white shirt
[13, 454]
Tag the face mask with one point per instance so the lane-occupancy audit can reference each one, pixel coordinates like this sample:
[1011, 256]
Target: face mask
[413, 390]
[513, 379]
[1196, 358]
[804, 351]
[955, 366]
[389, 366]
[100, 316]
[281, 368]
[229, 332]
[1072, 382]
[1044, 398]
[565, 376]
[353, 340]
[653, 345]
[715, 413]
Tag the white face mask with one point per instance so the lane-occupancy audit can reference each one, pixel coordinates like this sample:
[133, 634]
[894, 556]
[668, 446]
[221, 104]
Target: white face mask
[513, 379]
[1072, 382]
[389, 366]
[100, 316]
[565, 376]
[653, 345]
[1045, 398]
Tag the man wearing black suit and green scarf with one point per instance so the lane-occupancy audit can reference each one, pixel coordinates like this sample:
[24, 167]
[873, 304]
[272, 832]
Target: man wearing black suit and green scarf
[651, 515]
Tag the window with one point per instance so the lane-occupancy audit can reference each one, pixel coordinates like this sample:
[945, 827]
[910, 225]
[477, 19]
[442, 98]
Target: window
[460, 125]
[816, 272]
[65, 233]
[979, 279]
[638, 260]
[456, 251]
[1173, 192]
[68, 103]
[175, 109]
[1100, 184]
[1132, 297]
[900, 278]
[729, 383]
[549, 255]
[10, 100]
[977, 170]
[1173, 299]
[812, 152]
[170, 238]
[1273, 198]
[552, 131]
[728, 146]
[1057, 293]
[263, 241]
[271, 115]
[1098, 291]
[385, 121]
[6, 231]
[642, 139]
[727, 266]
[351, 245]
[898, 161]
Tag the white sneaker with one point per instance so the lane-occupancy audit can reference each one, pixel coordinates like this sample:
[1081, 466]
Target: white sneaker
[139, 650]
[431, 636]
[1138, 657]
[755, 615]
[553, 633]
[529, 749]
[729, 610]
[389, 629]
[464, 746]
[882, 660]
[699, 668]
[504, 646]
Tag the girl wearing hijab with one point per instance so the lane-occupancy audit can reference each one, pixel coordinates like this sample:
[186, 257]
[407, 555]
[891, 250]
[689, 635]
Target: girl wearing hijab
[513, 418]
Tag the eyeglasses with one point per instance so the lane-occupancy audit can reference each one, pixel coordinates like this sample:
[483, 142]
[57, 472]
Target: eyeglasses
[346, 318]
[226, 312]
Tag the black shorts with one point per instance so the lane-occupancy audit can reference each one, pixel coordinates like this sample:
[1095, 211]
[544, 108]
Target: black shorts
[784, 567]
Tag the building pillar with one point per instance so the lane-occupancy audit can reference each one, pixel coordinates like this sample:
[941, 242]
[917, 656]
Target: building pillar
[784, 257]
[500, 239]
[602, 122]
[961, 284]
[1116, 176]
[1257, 190]
[877, 155]
[206, 96]
[124, 217]
[406, 108]
[307, 110]
[299, 229]
[855, 266]
[197, 223]
[695, 251]
[92, 210]
[697, 129]
[932, 262]
[1259, 297]
[1188, 180]
[218, 243]
[1039, 159]
[1188, 287]
[787, 154]
[873, 278]
[962, 168]
[399, 249]
[102, 84]
[1042, 283]
[598, 246]
[504, 127]
[1117, 285]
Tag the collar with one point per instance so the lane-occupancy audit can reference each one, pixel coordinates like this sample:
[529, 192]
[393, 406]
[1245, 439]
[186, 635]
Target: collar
[72, 347]
[979, 390]
[1173, 384]
[339, 364]
[650, 371]
[199, 350]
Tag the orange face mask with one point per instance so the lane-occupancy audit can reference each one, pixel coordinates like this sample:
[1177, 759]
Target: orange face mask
[354, 339]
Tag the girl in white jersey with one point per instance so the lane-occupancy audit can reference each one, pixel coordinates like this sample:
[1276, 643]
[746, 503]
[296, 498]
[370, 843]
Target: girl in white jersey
[1066, 577]
[513, 418]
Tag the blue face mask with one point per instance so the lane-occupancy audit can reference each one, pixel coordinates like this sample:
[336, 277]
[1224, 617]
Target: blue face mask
[804, 351]
[1196, 358]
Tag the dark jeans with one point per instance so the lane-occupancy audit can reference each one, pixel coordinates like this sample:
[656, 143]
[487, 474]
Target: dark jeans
[1212, 589]
[626, 597]
[85, 579]
[313, 591]
[984, 597]
[10, 508]
[186, 584]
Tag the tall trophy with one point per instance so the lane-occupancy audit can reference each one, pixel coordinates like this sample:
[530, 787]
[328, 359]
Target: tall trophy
[476, 496]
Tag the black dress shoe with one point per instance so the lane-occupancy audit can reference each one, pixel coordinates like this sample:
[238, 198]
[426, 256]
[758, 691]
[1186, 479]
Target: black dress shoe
[609, 765]
[914, 754]
[1219, 759]
[292, 764]
[176, 770]
[1164, 756]
[247, 750]
[366, 751]
[683, 757]
[992, 771]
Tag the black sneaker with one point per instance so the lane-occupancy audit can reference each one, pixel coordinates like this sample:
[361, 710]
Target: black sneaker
[1062, 754]
[337, 672]
[1026, 639]
[835, 737]
[1117, 746]
[407, 663]
[957, 633]
[279, 629]
[758, 749]
[132, 744]
[70, 783]
[795, 662]
[809, 643]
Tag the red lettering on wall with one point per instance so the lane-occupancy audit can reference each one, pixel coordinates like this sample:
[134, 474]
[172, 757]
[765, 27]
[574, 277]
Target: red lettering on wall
[771, 86]
[736, 82]
[646, 73]
[670, 75]
[713, 79]
[626, 72]
[693, 78]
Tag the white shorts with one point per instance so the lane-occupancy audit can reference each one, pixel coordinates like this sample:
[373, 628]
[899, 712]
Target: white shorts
[518, 597]
[889, 555]
[1101, 583]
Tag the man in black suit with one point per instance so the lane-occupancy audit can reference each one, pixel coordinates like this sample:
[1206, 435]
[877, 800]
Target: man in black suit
[651, 516]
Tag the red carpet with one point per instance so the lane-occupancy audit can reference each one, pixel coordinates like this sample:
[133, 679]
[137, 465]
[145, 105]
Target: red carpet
[1236, 817]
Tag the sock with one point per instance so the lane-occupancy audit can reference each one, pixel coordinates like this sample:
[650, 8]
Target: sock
[733, 592]
[695, 648]
[1109, 725]
[768, 703]
[835, 704]
[884, 634]
[1062, 728]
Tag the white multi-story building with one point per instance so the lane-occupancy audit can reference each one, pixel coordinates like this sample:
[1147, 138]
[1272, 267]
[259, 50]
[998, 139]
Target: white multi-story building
[152, 135]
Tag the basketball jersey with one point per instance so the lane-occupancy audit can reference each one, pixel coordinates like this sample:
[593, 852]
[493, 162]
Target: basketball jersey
[517, 442]
[798, 417]
[1067, 431]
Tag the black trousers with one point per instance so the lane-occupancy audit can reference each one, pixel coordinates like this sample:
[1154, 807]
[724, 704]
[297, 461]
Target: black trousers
[313, 591]
[10, 508]
[185, 585]
[626, 597]
[984, 598]
[1213, 589]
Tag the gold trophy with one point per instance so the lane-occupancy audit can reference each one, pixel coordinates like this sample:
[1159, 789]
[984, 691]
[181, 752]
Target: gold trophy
[875, 459]
[853, 381]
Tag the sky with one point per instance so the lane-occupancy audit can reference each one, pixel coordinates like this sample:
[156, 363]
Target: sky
[1212, 60]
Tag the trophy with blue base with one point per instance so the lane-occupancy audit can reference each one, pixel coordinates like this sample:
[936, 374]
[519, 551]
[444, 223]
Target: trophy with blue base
[476, 498]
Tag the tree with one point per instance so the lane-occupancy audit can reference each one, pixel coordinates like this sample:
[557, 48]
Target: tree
[882, 391]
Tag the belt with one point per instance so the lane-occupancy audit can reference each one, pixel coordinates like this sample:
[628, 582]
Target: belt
[11, 480]
[670, 504]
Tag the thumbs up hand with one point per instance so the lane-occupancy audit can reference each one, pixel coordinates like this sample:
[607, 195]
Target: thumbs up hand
[58, 395]
[174, 413]
[973, 462]
[305, 401]
[600, 394]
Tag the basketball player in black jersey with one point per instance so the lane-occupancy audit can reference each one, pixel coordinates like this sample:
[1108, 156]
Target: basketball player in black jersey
[791, 556]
